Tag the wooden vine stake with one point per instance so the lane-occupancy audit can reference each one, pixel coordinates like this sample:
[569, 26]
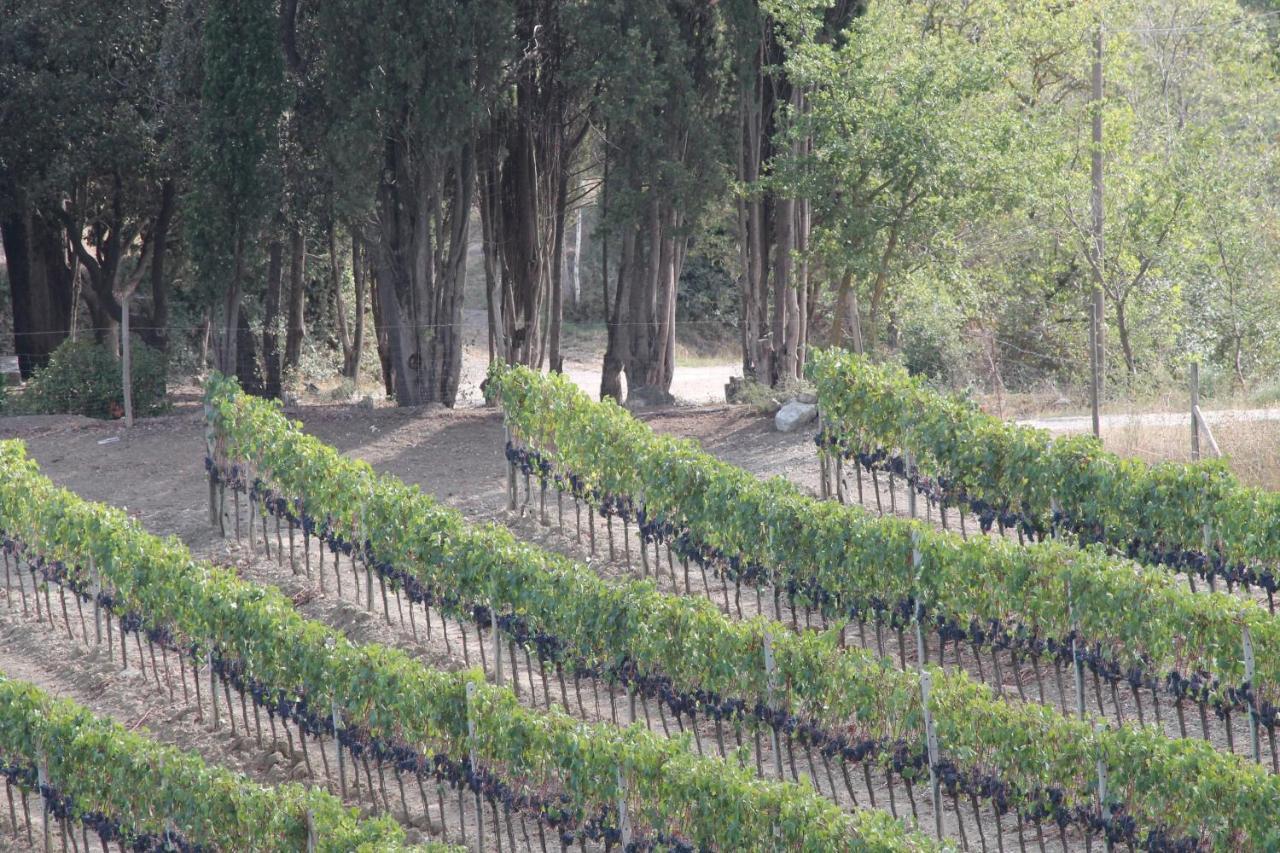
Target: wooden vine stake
[95, 587]
[497, 642]
[1249, 671]
[311, 831]
[624, 816]
[126, 353]
[471, 753]
[210, 441]
[824, 466]
[911, 492]
[920, 650]
[336, 716]
[42, 779]
[1208, 538]
[213, 686]
[931, 745]
[511, 470]
[1077, 663]
[1104, 809]
[916, 561]
[770, 680]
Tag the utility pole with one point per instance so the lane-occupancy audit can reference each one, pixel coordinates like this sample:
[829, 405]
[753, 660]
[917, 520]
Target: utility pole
[1096, 312]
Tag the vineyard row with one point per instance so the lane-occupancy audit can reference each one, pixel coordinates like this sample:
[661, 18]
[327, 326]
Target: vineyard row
[1195, 518]
[577, 779]
[696, 660]
[126, 788]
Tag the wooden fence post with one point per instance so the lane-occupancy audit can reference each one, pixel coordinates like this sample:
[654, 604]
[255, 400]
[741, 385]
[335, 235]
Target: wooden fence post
[1195, 404]
[771, 682]
[1249, 672]
[931, 745]
[471, 753]
[126, 359]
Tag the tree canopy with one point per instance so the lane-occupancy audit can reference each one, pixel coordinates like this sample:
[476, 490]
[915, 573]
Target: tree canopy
[907, 177]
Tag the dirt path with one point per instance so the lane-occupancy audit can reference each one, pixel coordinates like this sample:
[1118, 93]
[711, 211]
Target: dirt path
[1083, 423]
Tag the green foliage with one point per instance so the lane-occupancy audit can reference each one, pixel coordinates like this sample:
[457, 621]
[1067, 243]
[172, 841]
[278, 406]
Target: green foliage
[234, 174]
[950, 152]
[84, 378]
[107, 770]
[1014, 468]
[708, 295]
[1143, 617]
[205, 608]
[663, 94]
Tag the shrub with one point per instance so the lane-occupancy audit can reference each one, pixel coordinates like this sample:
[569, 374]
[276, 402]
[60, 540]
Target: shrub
[83, 378]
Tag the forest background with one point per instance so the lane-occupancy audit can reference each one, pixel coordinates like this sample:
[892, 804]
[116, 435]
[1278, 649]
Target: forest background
[294, 190]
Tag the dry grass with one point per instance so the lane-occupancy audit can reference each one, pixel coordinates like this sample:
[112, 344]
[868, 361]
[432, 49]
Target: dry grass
[1252, 448]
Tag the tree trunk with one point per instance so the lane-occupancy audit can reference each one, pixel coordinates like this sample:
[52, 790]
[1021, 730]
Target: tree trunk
[423, 212]
[271, 320]
[755, 109]
[577, 257]
[783, 291]
[206, 332]
[39, 287]
[1122, 329]
[805, 296]
[359, 272]
[227, 362]
[380, 334]
[247, 357]
[519, 240]
[339, 303]
[847, 330]
[494, 273]
[642, 328]
[557, 284]
[297, 300]
[619, 330]
[158, 334]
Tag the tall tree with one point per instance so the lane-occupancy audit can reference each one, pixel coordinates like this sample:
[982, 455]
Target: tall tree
[662, 99]
[406, 88]
[526, 153]
[91, 100]
[773, 221]
[235, 178]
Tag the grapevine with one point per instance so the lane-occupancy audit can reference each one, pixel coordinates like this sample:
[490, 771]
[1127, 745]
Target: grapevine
[408, 715]
[1196, 518]
[693, 655]
[125, 787]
